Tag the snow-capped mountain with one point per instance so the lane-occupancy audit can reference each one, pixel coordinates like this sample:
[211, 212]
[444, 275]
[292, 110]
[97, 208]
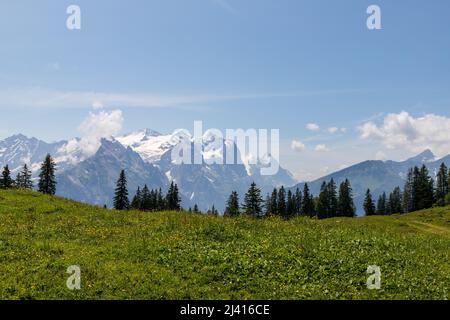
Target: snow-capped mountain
[18, 150]
[203, 184]
[90, 175]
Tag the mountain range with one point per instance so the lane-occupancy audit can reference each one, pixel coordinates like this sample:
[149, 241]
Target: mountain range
[378, 176]
[146, 156]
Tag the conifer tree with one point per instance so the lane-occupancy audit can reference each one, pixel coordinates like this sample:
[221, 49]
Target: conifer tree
[23, 179]
[308, 207]
[137, 200]
[6, 182]
[408, 193]
[173, 198]
[369, 206]
[333, 199]
[196, 210]
[253, 201]
[381, 205]
[346, 206]
[47, 180]
[145, 201]
[281, 201]
[290, 204]
[298, 202]
[272, 206]
[323, 202]
[442, 185]
[395, 201]
[121, 201]
[232, 208]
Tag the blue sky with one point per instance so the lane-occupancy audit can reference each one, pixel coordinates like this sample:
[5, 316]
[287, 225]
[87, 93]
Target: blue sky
[236, 64]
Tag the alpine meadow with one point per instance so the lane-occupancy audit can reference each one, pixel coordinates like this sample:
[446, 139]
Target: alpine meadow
[224, 159]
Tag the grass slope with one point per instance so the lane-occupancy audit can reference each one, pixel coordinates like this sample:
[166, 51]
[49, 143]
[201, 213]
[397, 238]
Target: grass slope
[169, 255]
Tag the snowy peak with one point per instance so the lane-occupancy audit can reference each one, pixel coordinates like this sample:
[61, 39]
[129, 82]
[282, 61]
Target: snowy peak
[426, 156]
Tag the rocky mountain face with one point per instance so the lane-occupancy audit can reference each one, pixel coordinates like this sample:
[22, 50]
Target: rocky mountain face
[146, 157]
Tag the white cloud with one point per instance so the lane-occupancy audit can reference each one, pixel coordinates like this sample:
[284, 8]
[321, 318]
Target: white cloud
[380, 155]
[405, 132]
[298, 146]
[333, 130]
[313, 127]
[95, 127]
[321, 148]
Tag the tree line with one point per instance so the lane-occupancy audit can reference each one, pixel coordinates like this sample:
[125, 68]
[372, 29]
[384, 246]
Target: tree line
[420, 192]
[46, 183]
[145, 199]
[287, 204]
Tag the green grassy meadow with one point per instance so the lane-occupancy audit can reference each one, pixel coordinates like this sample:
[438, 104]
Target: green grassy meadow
[170, 255]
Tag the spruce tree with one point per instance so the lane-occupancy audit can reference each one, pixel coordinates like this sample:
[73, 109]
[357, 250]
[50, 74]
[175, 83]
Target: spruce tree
[145, 201]
[47, 180]
[408, 193]
[136, 202]
[442, 186]
[333, 199]
[323, 202]
[121, 201]
[298, 202]
[24, 178]
[369, 206]
[6, 182]
[290, 205]
[346, 206]
[232, 208]
[272, 206]
[281, 201]
[196, 210]
[395, 201]
[253, 201]
[308, 207]
[381, 205]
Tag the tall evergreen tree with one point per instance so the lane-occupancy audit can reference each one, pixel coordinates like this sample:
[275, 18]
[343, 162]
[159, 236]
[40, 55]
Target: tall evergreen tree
[172, 197]
[137, 200]
[6, 182]
[121, 201]
[47, 180]
[423, 189]
[369, 206]
[290, 204]
[272, 206]
[442, 185]
[232, 208]
[323, 202]
[408, 193]
[253, 201]
[298, 202]
[395, 201]
[308, 207]
[23, 179]
[282, 202]
[332, 200]
[381, 205]
[346, 206]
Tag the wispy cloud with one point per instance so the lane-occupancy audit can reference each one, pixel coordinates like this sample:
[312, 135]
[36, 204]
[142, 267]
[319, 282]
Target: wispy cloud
[225, 5]
[37, 97]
